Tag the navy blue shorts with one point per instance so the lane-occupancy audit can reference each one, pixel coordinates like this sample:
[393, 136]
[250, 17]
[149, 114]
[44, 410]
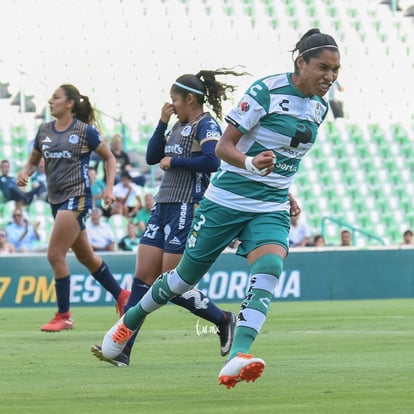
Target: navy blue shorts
[81, 205]
[168, 226]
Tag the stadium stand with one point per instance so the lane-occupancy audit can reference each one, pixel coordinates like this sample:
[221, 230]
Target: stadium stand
[124, 55]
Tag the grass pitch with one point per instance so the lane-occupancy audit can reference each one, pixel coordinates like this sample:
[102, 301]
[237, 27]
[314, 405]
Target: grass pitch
[321, 357]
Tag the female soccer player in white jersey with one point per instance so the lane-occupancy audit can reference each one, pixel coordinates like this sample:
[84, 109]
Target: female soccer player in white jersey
[269, 132]
[66, 144]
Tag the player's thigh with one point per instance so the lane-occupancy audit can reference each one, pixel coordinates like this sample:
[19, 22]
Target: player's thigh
[264, 231]
[64, 233]
[149, 263]
[170, 261]
[214, 228]
[85, 253]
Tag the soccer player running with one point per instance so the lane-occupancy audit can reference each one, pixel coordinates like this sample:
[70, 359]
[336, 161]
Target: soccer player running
[66, 144]
[187, 156]
[269, 132]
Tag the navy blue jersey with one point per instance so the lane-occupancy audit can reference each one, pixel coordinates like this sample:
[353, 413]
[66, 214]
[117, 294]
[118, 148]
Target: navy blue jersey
[191, 165]
[66, 155]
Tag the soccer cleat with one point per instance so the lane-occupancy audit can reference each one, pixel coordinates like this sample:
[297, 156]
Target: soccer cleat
[60, 322]
[243, 367]
[115, 339]
[121, 301]
[122, 360]
[226, 333]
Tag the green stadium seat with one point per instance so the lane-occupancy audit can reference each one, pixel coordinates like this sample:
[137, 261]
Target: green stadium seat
[119, 224]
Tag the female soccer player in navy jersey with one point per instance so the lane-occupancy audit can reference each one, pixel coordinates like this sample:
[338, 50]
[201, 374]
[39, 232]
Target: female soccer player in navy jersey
[66, 144]
[268, 133]
[187, 156]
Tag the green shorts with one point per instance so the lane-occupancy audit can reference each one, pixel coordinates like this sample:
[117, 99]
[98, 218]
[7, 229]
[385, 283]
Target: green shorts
[215, 227]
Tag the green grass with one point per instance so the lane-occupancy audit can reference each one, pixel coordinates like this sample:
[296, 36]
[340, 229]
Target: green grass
[321, 357]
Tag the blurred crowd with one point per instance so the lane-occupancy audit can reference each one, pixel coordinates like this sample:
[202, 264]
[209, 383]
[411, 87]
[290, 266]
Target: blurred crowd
[118, 227]
[26, 217]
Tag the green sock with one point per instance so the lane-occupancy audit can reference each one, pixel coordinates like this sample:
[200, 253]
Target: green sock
[134, 317]
[157, 296]
[252, 316]
[243, 340]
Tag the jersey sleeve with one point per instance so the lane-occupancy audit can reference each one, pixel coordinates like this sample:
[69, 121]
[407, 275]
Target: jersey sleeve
[207, 134]
[253, 106]
[155, 148]
[208, 130]
[36, 143]
[93, 137]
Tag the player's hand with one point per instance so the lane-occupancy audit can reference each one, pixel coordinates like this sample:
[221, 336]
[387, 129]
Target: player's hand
[22, 179]
[262, 163]
[295, 210]
[108, 198]
[165, 163]
[166, 111]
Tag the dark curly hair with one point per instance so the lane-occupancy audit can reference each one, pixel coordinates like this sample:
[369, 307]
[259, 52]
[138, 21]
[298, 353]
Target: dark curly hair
[206, 88]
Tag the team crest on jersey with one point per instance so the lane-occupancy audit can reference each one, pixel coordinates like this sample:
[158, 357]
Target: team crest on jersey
[73, 139]
[244, 107]
[186, 132]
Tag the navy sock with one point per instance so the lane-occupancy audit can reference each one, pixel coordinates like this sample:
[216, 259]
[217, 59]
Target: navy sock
[138, 290]
[104, 276]
[199, 304]
[62, 288]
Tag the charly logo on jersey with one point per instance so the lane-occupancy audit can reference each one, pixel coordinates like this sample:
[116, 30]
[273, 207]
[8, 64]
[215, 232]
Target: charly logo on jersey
[47, 139]
[283, 104]
[73, 139]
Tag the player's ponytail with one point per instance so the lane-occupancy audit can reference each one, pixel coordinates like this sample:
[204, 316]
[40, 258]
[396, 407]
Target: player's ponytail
[82, 108]
[206, 88]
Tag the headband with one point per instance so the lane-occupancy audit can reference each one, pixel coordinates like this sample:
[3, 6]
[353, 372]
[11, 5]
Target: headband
[181, 85]
[318, 47]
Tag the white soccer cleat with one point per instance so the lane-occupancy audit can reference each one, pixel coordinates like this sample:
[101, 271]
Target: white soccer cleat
[243, 367]
[115, 339]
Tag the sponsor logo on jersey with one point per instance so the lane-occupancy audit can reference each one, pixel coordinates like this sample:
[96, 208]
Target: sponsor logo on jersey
[47, 139]
[282, 166]
[183, 216]
[244, 106]
[212, 134]
[173, 149]
[57, 154]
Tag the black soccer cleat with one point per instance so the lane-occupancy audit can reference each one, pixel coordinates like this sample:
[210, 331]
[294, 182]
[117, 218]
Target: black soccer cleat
[226, 333]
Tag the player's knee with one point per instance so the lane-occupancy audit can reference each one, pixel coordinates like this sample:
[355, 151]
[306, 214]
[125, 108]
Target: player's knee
[176, 284]
[270, 264]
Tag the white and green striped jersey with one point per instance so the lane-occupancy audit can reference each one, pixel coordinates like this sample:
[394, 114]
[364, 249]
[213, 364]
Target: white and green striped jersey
[272, 115]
